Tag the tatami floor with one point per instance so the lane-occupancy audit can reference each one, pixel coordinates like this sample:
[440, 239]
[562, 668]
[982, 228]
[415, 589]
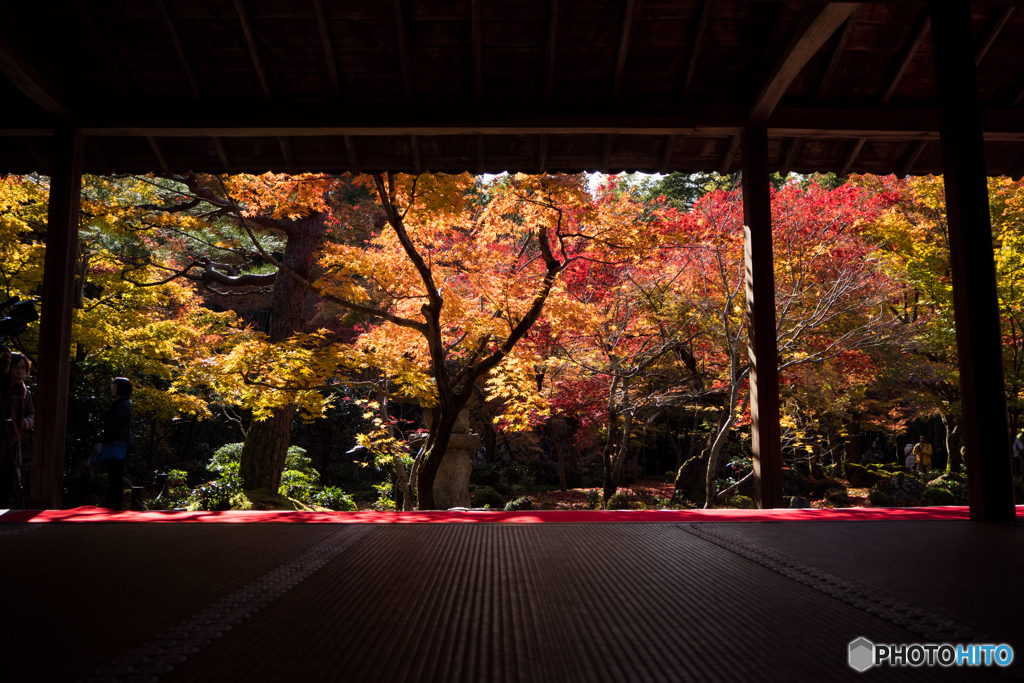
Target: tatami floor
[590, 602]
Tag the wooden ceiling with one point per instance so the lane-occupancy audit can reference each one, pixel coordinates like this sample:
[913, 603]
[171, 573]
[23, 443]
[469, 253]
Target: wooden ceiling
[492, 85]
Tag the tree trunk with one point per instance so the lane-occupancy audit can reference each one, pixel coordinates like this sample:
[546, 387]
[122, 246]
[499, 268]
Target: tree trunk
[611, 482]
[266, 446]
[437, 443]
[853, 439]
[716, 448]
[954, 463]
[267, 442]
[556, 440]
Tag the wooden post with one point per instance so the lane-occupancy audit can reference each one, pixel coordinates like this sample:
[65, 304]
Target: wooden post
[975, 300]
[51, 397]
[764, 370]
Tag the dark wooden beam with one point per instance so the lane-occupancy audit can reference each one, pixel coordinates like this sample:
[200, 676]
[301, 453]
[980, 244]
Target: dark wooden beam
[478, 51]
[796, 145]
[402, 46]
[542, 154]
[666, 154]
[620, 60]
[254, 50]
[480, 159]
[96, 152]
[414, 145]
[836, 54]
[1001, 17]
[289, 157]
[37, 154]
[109, 56]
[851, 155]
[350, 152]
[161, 156]
[606, 153]
[984, 424]
[818, 24]
[696, 37]
[1018, 171]
[179, 48]
[549, 55]
[325, 40]
[222, 152]
[908, 161]
[917, 36]
[25, 64]
[760, 303]
[57, 302]
[730, 153]
[1018, 97]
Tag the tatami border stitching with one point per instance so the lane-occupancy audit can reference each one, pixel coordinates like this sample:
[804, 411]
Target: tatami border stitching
[172, 648]
[930, 626]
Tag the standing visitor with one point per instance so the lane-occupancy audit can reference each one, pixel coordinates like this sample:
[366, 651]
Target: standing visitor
[908, 455]
[8, 477]
[1018, 447]
[874, 455]
[22, 410]
[923, 453]
[116, 443]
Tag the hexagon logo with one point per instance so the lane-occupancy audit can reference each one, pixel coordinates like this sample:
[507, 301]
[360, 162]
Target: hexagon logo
[862, 654]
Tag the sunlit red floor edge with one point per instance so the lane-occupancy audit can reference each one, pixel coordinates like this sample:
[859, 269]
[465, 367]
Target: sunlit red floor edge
[94, 514]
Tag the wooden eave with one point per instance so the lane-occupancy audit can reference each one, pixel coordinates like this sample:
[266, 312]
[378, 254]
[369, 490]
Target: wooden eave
[481, 85]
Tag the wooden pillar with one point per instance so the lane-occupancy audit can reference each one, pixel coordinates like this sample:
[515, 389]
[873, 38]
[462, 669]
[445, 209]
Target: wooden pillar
[764, 370]
[975, 301]
[54, 356]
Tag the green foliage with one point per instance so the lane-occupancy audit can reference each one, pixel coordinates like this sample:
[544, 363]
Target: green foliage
[486, 497]
[934, 495]
[861, 477]
[298, 481]
[514, 479]
[879, 499]
[298, 485]
[333, 498]
[593, 499]
[682, 190]
[742, 502]
[486, 475]
[385, 497]
[620, 501]
[821, 488]
[837, 497]
[215, 495]
[523, 503]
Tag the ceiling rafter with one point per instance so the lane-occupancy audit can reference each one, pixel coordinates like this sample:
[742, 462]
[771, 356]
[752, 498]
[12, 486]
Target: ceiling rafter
[401, 42]
[606, 152]
[852, 152]
[28, 68]
[620, 60]
[910, 158]
[96, 151]
[917, 36]
[815, 28]
[1001, 17]
[289, 157]
[838, 48]
[222, 152]
[325, 40]
[796, 145]
[161, 156]
[37, 154]
[350, 152]
[414, 144]
[542, 154]
[696, 37]
[549, 55]
[1018, 171]
[478, 53]
[730, 153]
[179, 48]
[254, 51]
[666, 154]
[109, 56]
[480, 165]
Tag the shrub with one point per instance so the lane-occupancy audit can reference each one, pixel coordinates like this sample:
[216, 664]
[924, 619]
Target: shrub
[514, 478]
[214, 495]
[335, 499]
[485, 476]
[297, 484]
[593, 499]
[936, 495]
[901, 489]
[861, 477]
[878, 499]
[821, 488]
[524, 503]
[620, 501]
[486, 497]
[837, 497]
[742, 502]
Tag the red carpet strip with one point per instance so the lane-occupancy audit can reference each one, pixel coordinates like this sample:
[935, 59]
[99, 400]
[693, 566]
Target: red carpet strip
[94, 514]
